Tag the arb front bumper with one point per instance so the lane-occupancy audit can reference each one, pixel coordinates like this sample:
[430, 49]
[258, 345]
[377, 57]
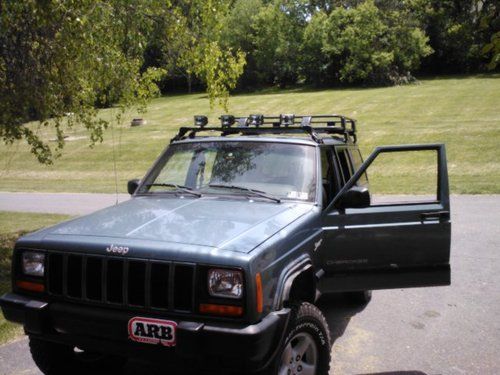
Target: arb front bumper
[217, 345]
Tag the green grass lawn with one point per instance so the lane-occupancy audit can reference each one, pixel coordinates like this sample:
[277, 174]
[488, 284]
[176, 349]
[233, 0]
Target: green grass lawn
[13, 225]
[463, 112]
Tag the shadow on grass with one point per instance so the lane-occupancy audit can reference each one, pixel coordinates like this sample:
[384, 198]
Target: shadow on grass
[458, 77]
[307, 88]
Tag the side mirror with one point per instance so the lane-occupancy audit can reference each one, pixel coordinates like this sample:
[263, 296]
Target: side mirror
[132, 186]
[355, 197]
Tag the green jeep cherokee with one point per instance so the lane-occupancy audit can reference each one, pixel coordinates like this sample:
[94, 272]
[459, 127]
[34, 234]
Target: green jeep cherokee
[226, 244]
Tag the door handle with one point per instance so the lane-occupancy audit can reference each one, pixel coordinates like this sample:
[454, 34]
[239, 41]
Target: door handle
[435, 216]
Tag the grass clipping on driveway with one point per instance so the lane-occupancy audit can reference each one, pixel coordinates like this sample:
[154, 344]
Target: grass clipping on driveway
[12, 226]
[461, 112]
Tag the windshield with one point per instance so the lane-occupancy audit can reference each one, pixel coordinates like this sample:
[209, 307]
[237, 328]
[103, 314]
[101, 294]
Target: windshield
[283, 171]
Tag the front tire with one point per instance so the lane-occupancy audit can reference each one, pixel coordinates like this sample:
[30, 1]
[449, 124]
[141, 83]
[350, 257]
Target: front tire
[307, 346]
[52, 358]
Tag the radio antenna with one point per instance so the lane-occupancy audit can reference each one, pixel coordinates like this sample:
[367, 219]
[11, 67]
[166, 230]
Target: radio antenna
[114, 161]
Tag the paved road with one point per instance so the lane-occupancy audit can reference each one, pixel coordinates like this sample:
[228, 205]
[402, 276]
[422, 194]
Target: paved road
[58, 203]
[429, 331]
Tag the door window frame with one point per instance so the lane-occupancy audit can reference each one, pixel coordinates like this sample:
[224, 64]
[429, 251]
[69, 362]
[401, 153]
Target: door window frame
[334, 178]
[442, 186]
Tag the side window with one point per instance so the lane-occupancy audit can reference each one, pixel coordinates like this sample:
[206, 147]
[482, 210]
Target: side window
[404, 177]
[325, 165]
[400, 175]
[357, 160]
[345, 165]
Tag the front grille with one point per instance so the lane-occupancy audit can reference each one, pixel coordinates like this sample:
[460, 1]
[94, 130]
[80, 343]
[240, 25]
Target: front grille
[125, 282]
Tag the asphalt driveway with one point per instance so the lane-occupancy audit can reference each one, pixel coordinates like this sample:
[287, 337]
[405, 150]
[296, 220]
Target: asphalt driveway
[428, 331]
[58, 203]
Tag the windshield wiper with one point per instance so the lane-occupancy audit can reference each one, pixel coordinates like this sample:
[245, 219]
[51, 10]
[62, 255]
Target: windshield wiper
[257, 193]
[184, 189]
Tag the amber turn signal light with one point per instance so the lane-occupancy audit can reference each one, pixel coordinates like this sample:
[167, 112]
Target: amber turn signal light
[32, 287]
[259, 297]
[225, 310]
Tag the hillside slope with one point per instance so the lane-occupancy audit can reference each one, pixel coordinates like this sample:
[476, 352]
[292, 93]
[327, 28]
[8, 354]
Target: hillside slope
[463, 112]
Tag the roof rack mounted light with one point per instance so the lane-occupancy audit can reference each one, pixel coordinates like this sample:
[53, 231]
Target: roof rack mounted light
[255, 120]
[200, 120]
[227, 121]
[287, 120]
[316, 126]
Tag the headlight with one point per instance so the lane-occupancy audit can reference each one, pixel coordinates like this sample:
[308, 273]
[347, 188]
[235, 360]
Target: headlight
[225, 283]
[33, 263]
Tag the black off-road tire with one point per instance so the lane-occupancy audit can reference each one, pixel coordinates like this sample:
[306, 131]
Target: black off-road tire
[52, 358]
[306, 323]
[360, 298]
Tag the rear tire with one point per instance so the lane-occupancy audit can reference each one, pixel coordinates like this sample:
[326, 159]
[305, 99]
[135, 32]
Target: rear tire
[307, 344]
[52, 358]
[360, 298]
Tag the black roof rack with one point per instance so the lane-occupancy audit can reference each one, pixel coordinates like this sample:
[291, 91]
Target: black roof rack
[313, 125]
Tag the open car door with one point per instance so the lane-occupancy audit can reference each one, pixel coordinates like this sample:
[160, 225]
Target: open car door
[369, 245]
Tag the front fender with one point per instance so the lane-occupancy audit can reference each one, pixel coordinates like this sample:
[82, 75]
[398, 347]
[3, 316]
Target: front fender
[288, 275]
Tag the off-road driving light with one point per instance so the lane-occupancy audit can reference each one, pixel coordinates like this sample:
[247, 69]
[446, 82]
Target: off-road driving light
[287, 120]
[256, 120]
[200, 120]
[225, 283]
[227, 120]
[33, 264]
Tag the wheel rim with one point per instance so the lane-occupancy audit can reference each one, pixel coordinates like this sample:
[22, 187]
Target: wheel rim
[300, 356]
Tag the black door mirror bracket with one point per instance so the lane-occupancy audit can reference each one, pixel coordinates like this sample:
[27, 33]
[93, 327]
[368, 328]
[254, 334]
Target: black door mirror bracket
[355, 197]
[132, 186]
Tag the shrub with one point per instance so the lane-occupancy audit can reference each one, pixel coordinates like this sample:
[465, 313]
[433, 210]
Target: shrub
[366, 44]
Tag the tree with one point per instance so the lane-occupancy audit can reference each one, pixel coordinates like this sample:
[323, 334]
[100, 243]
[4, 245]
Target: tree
[493, 48]
[204, 55]
[61, 59]
[453, 28]
[490, 26]
[316, 66]
[238, 33]
[369, 45]
[277, 37]
[188, 42]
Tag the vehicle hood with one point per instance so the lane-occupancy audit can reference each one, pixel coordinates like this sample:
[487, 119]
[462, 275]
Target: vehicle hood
[226, 224]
